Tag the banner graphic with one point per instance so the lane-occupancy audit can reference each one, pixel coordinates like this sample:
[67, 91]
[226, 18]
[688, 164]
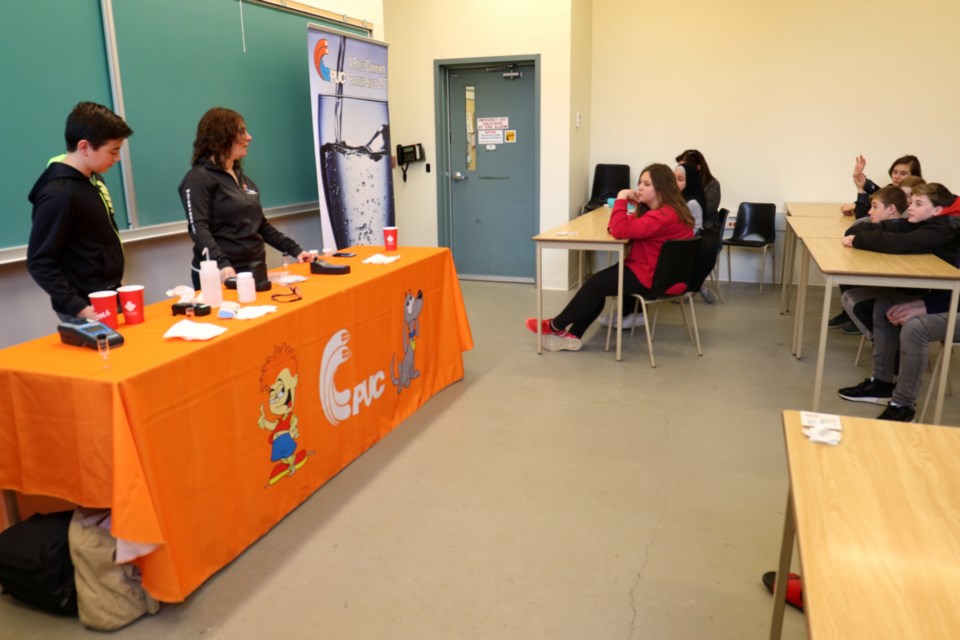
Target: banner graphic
[351, 137]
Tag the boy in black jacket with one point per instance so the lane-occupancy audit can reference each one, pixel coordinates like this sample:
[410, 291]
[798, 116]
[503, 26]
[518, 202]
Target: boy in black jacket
[74, 247]
[934, 228]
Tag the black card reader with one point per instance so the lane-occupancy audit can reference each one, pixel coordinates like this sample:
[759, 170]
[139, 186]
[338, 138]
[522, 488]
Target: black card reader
[80, 332]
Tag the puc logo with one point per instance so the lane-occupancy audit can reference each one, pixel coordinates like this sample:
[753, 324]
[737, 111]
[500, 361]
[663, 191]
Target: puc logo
[319, 52]
[338, 405]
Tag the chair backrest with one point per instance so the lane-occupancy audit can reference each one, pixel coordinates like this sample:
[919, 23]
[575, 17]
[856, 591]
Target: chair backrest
[722, 215]
[756, 221]
[608, 180]
[677, 264]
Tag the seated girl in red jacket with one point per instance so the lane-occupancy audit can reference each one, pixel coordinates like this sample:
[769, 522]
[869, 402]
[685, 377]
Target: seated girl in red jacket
[662, 215]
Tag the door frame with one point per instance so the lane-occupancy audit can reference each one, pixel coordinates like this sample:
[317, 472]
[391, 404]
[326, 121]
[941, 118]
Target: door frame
[441, 70]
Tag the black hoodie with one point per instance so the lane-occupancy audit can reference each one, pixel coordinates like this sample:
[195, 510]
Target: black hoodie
[74, 247]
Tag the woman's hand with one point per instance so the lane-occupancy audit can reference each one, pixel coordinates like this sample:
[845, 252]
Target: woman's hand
[227, 272]
[848, 241]
[305, 256]
[848, 209]
[627, 194]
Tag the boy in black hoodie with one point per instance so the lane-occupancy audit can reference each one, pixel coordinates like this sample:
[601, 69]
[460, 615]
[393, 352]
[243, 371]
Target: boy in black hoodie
[74, 247]
[904, 320]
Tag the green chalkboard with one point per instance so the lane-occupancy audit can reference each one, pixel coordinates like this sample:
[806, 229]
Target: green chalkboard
[177, 58]
[53, 56]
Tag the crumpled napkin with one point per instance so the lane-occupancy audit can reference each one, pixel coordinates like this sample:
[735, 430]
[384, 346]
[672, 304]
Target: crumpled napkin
[190, 330]
[251, 312]
[379, 258]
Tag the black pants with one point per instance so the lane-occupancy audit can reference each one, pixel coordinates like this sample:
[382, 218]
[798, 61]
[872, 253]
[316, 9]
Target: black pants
[587, 305]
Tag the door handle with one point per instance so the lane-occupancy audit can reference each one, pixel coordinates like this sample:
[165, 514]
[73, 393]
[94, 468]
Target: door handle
[458, 177]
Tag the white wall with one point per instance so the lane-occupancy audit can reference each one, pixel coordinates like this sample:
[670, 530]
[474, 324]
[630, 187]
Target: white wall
[779, 96]
[422, 31]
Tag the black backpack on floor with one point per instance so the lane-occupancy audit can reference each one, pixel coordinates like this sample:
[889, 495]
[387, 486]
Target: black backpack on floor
[35, 564]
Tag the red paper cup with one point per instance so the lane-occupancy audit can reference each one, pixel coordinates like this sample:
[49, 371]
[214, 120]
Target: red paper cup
[105, 306]
[390, 238]
[131, 301]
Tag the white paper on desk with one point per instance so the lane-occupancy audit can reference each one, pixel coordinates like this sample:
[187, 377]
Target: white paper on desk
[292, 279]
[249, 313]
[190, 330]
[827, 436]
[821, 421]
[379, 258]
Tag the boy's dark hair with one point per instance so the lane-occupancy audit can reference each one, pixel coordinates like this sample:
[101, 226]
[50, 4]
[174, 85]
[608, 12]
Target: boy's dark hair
[891, 195]
[939, 195]
[911, 161]
[94, 123]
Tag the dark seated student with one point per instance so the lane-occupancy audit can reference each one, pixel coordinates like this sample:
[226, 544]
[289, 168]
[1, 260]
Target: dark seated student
[933, 226]
[662, 215]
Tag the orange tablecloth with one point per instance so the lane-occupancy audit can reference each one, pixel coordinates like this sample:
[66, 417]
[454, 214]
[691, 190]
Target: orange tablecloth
[191, 443]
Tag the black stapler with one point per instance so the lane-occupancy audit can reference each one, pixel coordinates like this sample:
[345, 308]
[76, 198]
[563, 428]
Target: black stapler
[325, 268]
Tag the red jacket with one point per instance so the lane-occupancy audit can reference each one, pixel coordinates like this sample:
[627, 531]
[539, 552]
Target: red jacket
[650, 231]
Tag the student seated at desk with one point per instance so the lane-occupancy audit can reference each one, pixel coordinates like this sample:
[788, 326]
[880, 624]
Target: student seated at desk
[904, 327]
[711, 186]
[901, 168]
[662, 215]
[934, 216]
[691, 186]
[889, 203]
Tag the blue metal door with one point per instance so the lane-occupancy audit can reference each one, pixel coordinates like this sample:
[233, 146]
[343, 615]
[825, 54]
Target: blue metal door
[493, 173]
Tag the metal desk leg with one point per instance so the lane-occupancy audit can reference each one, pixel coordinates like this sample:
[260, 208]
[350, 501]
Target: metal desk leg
[620, 300]
[783, 569]
[789, 255]
[947, 347]
[10, 502]
[801, 306]
[539, 298]
[821, 354]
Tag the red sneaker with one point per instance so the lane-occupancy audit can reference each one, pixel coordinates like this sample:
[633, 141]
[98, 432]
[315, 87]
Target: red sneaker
[547, 329]
[794, 588]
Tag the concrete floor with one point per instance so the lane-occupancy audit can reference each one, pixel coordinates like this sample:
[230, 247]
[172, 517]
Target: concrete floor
[556, 496]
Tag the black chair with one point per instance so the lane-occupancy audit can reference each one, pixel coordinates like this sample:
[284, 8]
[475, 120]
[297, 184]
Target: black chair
[675, 278]
[608, 180]
[755, 229]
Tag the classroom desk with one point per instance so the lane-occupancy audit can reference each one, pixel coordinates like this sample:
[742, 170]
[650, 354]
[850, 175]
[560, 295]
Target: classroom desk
[877, 521]
[844, 265]
[811, 213]
[816, 210]
[584, 233]
[182, 439]
[797, 230]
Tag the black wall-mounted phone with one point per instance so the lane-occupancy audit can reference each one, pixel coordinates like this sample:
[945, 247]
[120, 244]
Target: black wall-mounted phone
[407, 153]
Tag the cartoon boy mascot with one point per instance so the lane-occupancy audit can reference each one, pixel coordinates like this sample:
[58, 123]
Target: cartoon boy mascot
[278, 379]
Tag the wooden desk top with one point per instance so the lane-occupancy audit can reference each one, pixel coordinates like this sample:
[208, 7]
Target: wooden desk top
[835, 259]
[816, 210]
[878, 525]
[813, 227]
[590, 227]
